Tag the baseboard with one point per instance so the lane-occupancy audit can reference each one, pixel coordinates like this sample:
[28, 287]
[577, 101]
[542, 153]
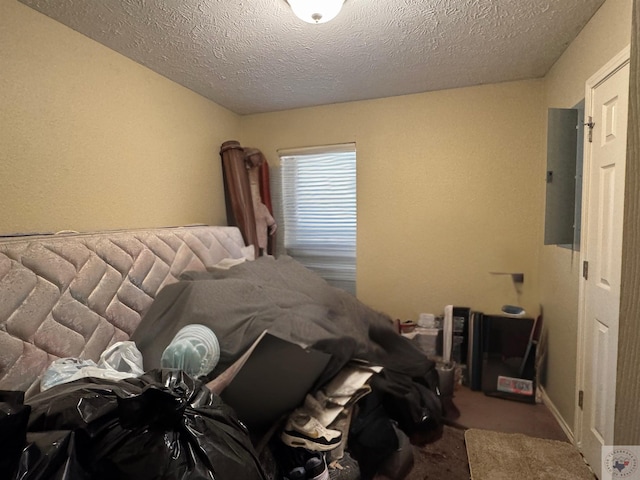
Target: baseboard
[556, 414]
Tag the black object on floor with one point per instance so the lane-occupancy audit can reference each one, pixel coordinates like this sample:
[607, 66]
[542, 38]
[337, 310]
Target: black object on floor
[509, 349]
[162, 425]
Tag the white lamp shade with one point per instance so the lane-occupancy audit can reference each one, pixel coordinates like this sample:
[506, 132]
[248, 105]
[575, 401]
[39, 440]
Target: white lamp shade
[316, 11]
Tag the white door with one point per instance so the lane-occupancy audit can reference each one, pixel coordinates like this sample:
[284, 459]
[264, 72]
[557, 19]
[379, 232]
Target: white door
[603, 199]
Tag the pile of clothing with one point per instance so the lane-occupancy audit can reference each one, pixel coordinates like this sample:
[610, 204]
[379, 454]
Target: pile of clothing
[259, 371]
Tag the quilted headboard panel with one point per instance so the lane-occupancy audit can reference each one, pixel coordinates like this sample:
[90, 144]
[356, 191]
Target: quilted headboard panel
[75, 295]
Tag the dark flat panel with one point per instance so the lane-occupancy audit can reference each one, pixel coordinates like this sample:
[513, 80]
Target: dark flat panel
[562, 137]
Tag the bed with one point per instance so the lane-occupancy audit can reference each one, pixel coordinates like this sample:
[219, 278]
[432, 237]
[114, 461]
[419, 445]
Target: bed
[74, 295]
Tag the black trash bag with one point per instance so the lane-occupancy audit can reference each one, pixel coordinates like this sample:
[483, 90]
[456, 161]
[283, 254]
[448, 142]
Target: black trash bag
[163, 425]
[14, 416]
[53, 455]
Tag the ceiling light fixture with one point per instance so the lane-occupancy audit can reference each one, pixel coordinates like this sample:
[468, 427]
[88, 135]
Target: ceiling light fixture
[316, 11]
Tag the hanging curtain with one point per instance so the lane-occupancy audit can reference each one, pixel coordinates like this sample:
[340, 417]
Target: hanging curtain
[248, 196]
[265, 195]
[238, 193]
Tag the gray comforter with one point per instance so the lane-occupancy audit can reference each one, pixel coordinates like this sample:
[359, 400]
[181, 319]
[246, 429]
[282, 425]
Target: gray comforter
[284, 297]
[293, 303]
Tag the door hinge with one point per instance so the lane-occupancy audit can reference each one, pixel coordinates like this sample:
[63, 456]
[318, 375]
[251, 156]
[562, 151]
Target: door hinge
[580, 399]
[585, 270]
[590, 124]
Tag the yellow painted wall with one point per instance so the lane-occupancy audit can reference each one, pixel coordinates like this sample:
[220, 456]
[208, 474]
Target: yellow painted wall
[627, 423]
[448, 191]
[450, 184]
[92, 140]
[608, 32]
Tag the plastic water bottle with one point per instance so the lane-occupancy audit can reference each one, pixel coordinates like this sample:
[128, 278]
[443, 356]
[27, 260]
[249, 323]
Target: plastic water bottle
[194, 349]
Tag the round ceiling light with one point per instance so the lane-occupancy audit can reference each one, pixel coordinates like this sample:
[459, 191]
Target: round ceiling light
[316, 11]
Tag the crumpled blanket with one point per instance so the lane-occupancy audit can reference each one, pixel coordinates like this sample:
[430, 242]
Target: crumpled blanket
[293, 303]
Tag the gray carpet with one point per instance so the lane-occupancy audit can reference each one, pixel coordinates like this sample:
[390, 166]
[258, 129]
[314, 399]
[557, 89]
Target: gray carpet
[505, 456]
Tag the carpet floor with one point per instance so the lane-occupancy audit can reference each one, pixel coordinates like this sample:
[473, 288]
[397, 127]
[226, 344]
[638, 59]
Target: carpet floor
[446, 459]
[504, 456]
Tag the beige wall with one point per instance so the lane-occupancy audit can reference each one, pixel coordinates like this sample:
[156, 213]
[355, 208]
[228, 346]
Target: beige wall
[627, 427]
[450, 184]
[608, 32]
[447, 191]
[92, 140]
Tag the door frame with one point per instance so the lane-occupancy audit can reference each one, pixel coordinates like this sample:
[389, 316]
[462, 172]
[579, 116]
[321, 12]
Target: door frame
[610, 68]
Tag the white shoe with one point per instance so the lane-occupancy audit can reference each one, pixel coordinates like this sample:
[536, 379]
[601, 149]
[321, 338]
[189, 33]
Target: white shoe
[304, 431]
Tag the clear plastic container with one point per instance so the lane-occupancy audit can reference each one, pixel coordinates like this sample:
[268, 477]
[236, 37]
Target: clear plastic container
[194, 349]
[427, 320]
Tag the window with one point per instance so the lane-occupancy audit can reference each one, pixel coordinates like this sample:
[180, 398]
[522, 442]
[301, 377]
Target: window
[318, 206]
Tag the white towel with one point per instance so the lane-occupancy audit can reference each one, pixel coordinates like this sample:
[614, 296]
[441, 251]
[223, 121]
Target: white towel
[447, 334]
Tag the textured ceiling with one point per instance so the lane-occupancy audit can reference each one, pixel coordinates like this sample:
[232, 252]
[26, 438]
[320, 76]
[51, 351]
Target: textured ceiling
[254, 56]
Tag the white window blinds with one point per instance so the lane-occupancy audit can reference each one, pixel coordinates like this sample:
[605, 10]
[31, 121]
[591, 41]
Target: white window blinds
[318, 189]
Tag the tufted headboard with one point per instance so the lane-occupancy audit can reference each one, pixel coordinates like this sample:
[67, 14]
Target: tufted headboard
[73, 295]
